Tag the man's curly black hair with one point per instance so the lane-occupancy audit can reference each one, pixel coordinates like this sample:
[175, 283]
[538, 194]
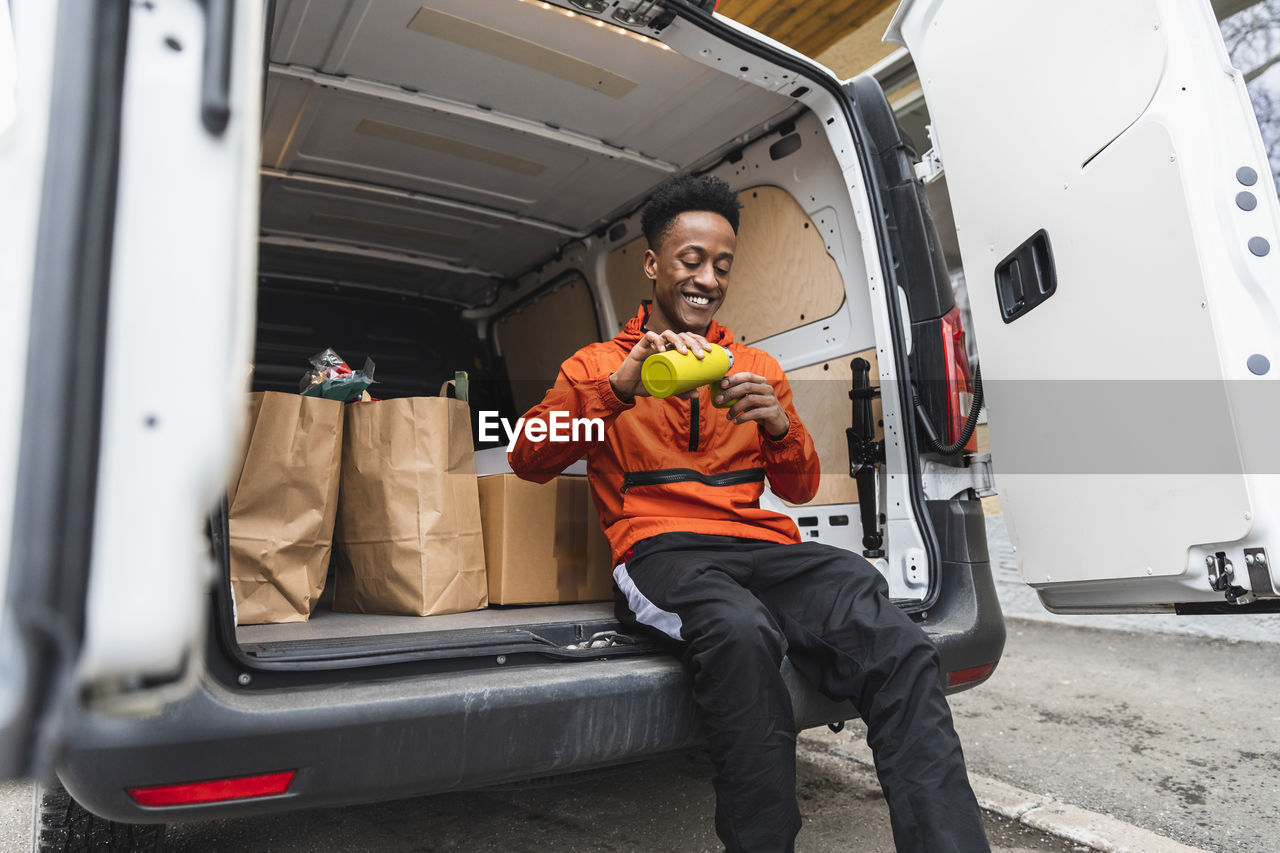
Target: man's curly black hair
[682, 193]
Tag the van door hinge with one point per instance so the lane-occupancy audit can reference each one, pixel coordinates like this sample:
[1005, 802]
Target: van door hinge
[215, 84]
[1222, 576]
[929, 169]
[944, 482]
[1255, 559]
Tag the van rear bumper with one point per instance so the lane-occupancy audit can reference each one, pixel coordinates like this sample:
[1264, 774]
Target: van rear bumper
[360, 742]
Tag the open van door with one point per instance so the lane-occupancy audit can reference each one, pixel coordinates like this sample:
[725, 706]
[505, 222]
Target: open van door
[1120, 236]
[129, 160]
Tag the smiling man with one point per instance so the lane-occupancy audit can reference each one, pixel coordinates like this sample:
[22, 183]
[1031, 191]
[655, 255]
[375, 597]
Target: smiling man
[729, 585]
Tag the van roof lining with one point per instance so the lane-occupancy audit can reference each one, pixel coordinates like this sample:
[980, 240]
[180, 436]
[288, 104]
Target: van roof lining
[425, 147]
[302, 262]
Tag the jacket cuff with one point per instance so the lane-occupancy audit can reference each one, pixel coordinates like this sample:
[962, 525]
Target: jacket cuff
[610, 400]
[789, 439]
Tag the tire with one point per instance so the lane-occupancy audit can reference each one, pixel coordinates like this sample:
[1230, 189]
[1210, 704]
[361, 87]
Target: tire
[61, 825]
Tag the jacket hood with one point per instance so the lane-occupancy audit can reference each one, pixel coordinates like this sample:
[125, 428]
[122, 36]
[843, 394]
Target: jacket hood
[635, 329]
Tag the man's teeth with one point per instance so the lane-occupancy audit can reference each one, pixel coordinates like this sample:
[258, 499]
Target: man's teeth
[697, 300]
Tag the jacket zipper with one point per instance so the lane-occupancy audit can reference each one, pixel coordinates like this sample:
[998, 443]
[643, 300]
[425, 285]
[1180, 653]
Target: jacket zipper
[694, 417]
[666, 476]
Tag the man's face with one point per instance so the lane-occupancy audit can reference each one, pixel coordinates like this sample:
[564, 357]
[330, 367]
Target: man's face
[690, 271]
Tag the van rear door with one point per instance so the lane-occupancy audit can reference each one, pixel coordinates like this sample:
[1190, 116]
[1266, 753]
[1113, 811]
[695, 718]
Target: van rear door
[1119, 230]
[130, 160]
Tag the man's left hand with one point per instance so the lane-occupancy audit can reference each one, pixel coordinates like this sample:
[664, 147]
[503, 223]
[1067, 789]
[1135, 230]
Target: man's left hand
[754, 401]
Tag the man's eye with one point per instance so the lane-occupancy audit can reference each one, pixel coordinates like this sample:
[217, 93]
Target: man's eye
[722, 272]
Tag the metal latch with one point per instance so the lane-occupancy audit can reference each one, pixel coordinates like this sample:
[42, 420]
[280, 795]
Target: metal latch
[944, 482]
[603, 640]
[1222, 576]
[865, 452]
[929, 169]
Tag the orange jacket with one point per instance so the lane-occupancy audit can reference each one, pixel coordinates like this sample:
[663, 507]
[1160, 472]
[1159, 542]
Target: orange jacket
[673, 464]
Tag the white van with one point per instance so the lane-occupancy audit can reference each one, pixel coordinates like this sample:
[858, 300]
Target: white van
[194, 186]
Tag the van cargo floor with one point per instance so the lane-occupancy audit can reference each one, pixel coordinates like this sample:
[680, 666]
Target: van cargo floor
[327, 625]
[562, 631]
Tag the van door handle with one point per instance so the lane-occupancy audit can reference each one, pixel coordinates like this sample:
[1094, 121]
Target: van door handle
[215, 84]
[1026, 277]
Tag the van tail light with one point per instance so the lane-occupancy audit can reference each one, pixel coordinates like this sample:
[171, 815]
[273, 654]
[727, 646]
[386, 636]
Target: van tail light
[214, 790]
[960, 677]
[959, 377]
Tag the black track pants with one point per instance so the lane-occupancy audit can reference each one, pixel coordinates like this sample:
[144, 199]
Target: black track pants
[737, 606]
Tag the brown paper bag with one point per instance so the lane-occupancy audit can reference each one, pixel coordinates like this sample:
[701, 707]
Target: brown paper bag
[408, 533]
[281, 505]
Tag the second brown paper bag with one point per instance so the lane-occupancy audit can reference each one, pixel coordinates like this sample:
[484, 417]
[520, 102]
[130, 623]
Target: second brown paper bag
[408, 534]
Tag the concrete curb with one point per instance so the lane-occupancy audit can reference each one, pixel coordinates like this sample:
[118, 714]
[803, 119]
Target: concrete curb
[1069, 822]
[1043, 813]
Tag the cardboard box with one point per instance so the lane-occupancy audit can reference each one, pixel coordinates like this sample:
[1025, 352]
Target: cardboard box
[542, 542]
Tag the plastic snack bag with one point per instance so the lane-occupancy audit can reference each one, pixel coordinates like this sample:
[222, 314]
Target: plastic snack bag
[333, 379]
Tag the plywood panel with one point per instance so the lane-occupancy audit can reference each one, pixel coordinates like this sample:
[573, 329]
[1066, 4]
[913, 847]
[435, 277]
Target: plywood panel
[820, 393]
[782, 275]
[624, 274]
[537, 338]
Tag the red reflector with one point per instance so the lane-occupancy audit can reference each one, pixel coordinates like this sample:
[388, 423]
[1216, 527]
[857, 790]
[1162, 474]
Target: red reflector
[959, 376]
[215, 790]
[967, 676]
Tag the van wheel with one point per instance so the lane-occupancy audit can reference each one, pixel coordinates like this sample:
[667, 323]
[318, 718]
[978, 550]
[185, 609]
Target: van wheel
[61, 825]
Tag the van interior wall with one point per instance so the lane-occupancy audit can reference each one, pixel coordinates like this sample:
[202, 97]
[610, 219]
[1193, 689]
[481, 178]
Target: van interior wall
[415, 343]
[782, 276]
[536, 337]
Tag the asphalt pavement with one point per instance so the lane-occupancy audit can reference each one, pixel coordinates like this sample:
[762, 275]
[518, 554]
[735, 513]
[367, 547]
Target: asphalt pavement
[662, 806]
[1175, 734]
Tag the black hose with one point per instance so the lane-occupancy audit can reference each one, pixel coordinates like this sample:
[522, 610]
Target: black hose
[969, 426]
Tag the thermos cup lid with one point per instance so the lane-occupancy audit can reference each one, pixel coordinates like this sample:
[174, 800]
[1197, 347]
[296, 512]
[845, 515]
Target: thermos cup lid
[658, 376]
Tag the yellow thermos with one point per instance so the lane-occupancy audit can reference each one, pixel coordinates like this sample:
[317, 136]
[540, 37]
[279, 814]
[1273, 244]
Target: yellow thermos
[665, 374]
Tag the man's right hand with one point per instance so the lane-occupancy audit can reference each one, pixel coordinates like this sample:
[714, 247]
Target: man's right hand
[626, 379]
